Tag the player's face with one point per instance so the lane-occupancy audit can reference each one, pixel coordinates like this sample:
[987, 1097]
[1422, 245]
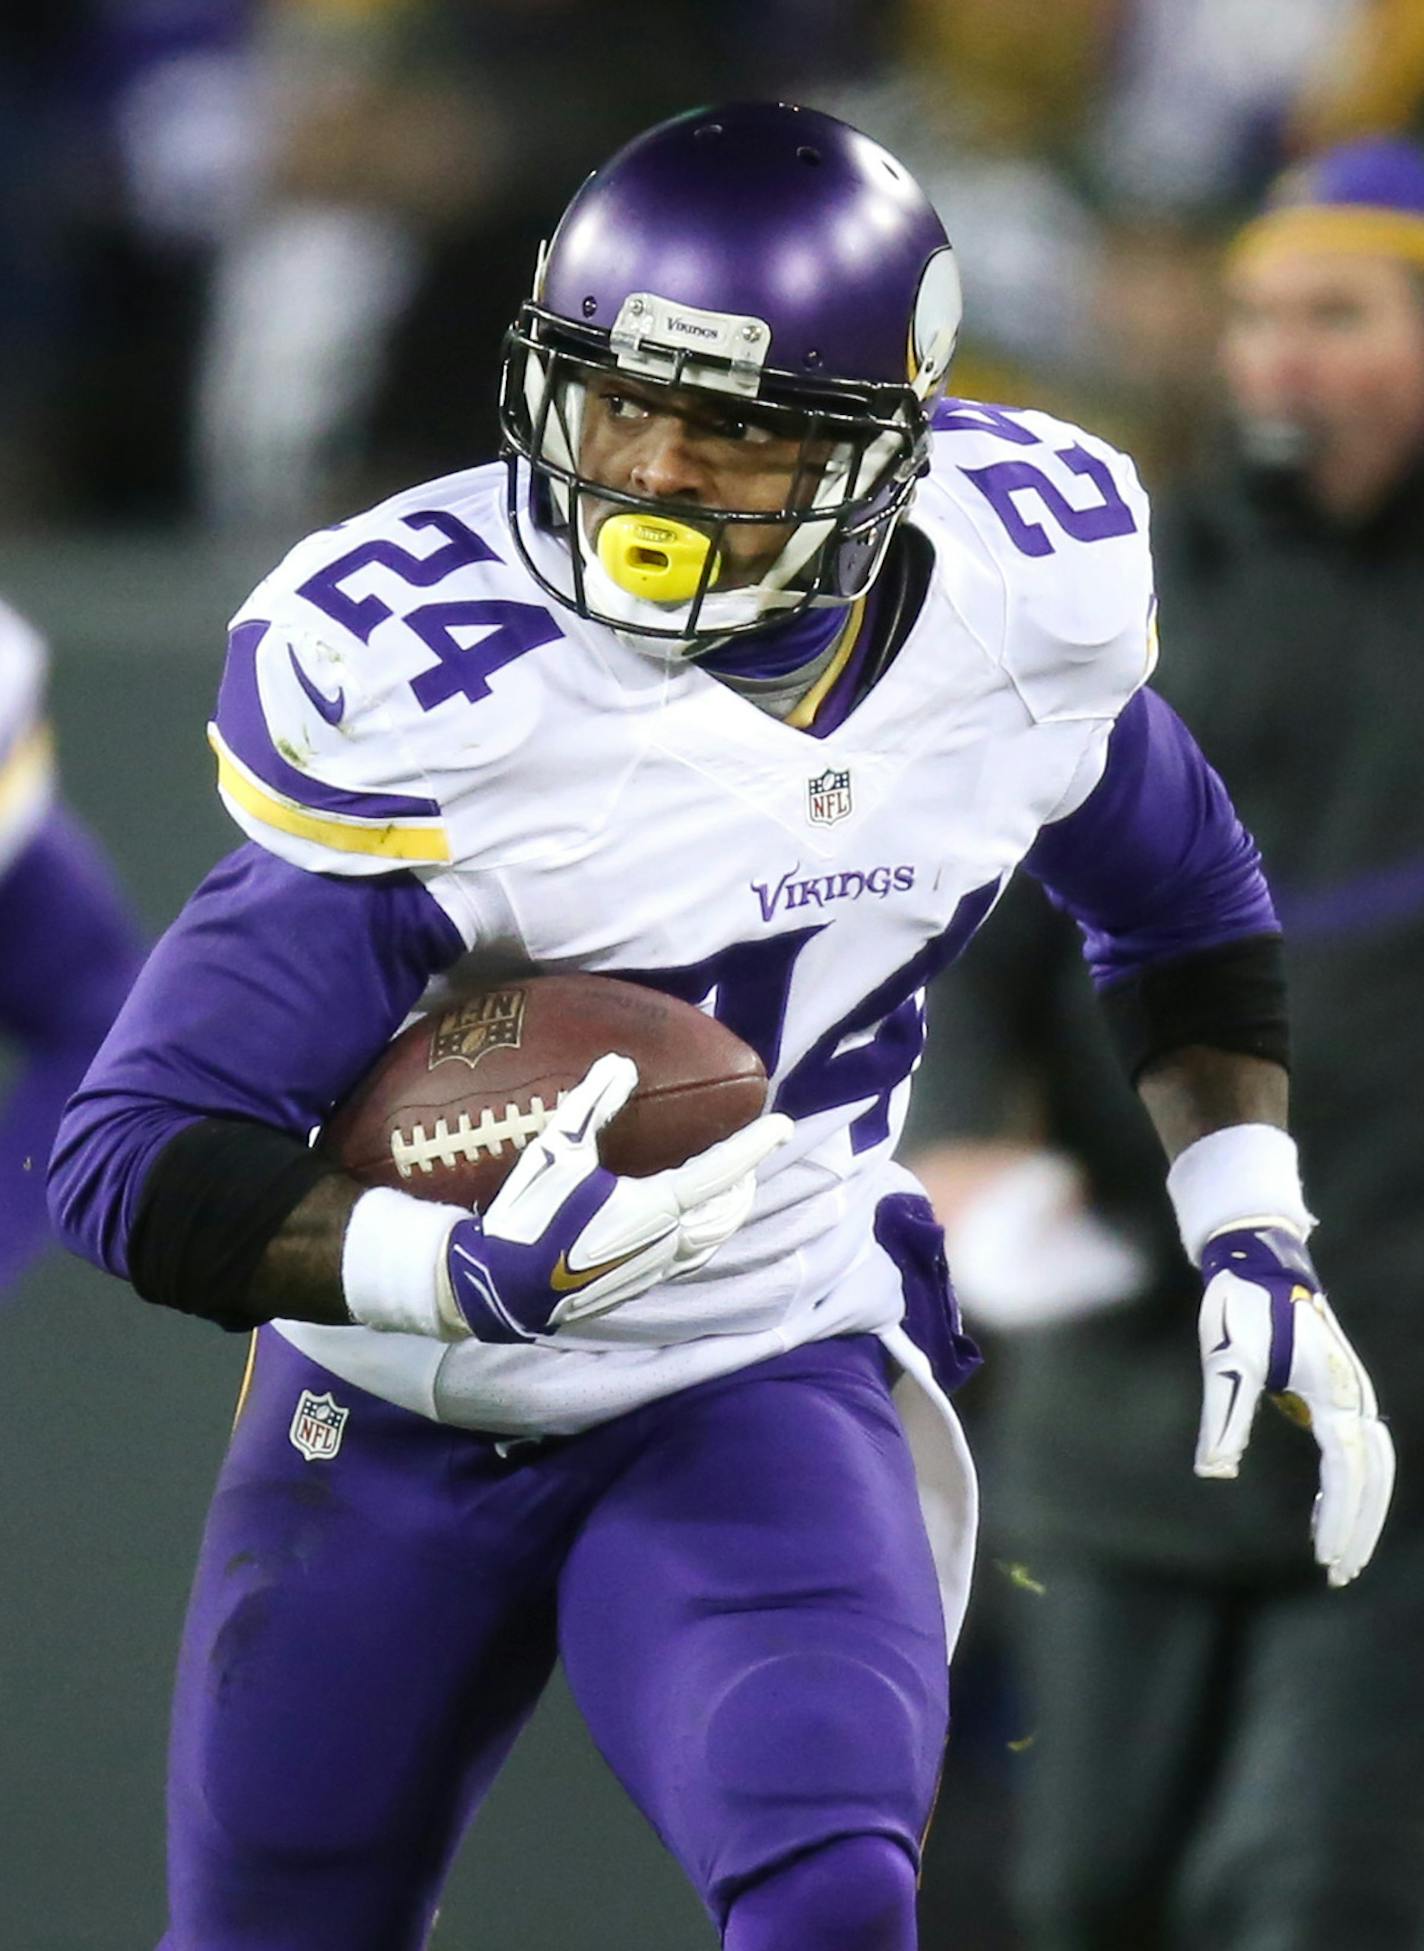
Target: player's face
[1332, 345]
[694, 451]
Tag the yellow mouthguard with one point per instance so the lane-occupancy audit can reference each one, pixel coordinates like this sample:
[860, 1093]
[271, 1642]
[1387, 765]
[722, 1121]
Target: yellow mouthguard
[652, 557]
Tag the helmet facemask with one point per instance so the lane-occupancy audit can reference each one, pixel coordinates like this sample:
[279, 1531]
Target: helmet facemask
[860, 450]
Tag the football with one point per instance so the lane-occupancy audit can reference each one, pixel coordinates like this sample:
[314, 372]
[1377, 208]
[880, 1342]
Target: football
[459, 1093]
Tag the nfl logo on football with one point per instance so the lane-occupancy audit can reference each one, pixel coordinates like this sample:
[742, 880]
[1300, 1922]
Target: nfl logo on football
[317, 1426]
[828, 798]
[490, 1022]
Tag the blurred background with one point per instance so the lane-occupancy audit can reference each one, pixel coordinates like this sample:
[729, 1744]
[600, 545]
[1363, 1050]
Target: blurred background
[256, 257]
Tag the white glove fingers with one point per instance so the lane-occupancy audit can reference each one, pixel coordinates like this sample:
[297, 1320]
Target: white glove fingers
[1240, 1328]
[1342, 1483]
[527, 1201]
[1350, 1385]
[721, 1165]
[706, 1227]
[1228, 1408]
[1374, 1504]
[1232, 1374]
[636, 1213]
[1230, 1393]
[599, 1095]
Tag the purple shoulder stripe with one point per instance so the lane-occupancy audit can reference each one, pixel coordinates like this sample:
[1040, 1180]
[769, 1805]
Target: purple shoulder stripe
[243, 727]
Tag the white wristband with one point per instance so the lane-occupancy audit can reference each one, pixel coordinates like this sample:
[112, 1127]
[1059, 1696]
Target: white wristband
[392, 1264]
[1242, 1175]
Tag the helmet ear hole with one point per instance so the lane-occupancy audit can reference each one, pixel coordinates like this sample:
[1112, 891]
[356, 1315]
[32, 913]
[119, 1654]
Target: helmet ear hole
[806, 154]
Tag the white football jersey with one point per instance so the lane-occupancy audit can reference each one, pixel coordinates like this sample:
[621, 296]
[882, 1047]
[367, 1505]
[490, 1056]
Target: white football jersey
[26, 755]
[576, 804]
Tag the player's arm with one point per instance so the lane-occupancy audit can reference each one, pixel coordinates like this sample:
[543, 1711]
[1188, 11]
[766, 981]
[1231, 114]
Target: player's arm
[183, 1162]
[1178, 929]
[184, 1156]
[1181, 938]
[71, 951]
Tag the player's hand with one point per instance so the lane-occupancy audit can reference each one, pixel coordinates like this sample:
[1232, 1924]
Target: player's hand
[1266, 1329]
[565, 1239]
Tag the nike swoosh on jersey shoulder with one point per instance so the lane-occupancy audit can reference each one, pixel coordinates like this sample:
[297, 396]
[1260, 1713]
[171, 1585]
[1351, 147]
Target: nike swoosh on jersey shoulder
[331, 709]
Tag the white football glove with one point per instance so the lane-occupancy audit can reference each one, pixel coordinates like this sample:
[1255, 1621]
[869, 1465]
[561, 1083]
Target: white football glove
[1266, 1329]
[565, 1240]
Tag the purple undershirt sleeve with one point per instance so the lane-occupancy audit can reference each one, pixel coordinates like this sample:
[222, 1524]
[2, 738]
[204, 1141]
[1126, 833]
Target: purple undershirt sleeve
[272, 993]
[1154, 864]
[71, 949]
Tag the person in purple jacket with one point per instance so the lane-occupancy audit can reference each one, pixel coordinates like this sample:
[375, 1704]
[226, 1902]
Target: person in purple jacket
[753, 675]
[69, 948]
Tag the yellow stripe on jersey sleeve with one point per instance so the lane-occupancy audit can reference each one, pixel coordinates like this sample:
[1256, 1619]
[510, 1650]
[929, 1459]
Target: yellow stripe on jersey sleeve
[425, 842]
[25, 771]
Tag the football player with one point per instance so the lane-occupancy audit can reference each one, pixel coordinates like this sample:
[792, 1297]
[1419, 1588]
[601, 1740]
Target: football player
[753, 675]
[69, 948]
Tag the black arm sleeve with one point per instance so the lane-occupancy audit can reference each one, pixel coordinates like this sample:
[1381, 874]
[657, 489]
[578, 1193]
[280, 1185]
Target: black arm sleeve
[213, 1199]
[1232, 997]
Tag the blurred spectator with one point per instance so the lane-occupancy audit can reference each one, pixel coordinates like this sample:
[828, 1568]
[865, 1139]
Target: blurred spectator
[127, 144]
[1202, 93]
[252, 252]
[421, 154]
[1228, 1755]
[1085, 155]
[1376, 84]
[29, 281]
[68, 947]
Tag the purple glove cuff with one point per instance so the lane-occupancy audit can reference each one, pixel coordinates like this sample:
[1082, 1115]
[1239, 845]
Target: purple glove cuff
[507, 1291]
[1275, 1260]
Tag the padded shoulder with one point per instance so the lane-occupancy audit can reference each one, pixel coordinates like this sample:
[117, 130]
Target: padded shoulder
[1058, 585]
[310, 764]
[367, 576]
[329, 729]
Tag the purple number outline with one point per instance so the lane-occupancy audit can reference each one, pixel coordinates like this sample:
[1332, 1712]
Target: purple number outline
[974, 417]
[752, 985]
[1000, 481]
[517, 628]
[361, 615]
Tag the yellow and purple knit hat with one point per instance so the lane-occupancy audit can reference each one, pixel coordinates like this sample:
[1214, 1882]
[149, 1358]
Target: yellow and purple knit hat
[1363, 198]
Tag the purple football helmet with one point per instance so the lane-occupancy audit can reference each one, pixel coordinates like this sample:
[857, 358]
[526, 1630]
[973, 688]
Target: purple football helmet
[783, 267]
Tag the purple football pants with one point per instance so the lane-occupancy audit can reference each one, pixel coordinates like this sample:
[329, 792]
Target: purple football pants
[737, 1579]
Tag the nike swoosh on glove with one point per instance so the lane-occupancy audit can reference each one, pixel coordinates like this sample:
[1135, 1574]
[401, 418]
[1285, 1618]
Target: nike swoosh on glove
[1267, 1329]
[564, 1239]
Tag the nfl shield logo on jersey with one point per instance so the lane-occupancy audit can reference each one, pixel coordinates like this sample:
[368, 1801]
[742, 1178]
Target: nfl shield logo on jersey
[317, 1426]
[828, 797]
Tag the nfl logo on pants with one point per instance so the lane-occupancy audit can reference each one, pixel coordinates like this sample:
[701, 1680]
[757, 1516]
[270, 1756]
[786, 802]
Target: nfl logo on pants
[317, 1426]
[828, 797]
